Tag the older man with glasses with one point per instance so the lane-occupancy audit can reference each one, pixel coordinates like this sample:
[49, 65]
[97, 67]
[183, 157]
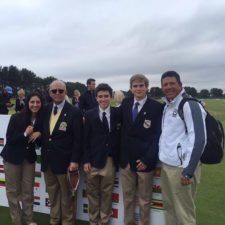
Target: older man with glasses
[61, 150]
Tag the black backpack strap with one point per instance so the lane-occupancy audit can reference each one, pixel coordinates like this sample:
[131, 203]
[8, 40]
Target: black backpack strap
[181, 106]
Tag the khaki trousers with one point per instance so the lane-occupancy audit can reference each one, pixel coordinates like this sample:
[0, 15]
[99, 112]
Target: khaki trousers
[19, 188]
[99, 187]
[61, 200]
[140, 183]
[178, 199]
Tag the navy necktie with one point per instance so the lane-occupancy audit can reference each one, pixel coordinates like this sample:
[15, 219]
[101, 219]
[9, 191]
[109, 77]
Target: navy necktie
[55, 110]
[105, 122]
[135, 111]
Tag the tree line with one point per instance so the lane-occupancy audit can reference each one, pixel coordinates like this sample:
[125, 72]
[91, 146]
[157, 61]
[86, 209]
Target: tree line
[28, 80]
[204, 93]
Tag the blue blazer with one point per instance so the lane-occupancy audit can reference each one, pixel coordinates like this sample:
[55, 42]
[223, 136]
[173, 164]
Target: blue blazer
[64, 145]
[140, 138]
[98, 144]
[17, 146]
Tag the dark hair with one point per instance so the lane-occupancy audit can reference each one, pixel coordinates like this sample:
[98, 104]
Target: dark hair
[171, 74]
[90, 80]
[26, 111]
[103, 87]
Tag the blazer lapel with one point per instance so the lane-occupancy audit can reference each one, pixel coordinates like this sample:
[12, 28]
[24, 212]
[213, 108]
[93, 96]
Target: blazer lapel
[61, 118]
[111, 119]
[129, 111]
[97, 118]
[48, 113]
[142, 112]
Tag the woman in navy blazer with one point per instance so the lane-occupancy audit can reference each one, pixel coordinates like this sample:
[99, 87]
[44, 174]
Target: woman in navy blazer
[19, 158]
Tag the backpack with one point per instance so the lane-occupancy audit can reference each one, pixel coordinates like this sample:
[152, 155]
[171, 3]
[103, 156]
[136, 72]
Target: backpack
[214, 148]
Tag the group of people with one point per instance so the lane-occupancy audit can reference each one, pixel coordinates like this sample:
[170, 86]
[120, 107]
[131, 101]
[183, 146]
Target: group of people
[99, 139]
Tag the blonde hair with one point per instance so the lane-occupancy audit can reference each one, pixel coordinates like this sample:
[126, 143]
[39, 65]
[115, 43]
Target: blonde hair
[76, 93]
[21, 92]
[118, 96]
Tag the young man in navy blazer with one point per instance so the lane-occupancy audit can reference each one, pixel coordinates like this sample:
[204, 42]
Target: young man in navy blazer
[141, 122]
[101, 141]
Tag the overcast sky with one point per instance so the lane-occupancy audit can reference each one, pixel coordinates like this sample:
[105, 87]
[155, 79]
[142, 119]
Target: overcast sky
[110, 40]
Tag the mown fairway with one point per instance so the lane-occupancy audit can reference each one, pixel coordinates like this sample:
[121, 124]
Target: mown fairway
[211, 192]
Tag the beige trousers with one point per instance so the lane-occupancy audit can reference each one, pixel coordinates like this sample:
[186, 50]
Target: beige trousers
[62, 205]
[99, 187]
[179, 199]
[19, 188]
[139, 183]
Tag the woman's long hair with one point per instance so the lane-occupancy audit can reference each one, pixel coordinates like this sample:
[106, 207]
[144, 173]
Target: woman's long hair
[27, 114]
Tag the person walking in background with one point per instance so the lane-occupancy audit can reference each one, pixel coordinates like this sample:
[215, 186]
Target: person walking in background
[61, 152]
[76, 97]
[180, 149]
[141, 121]
[20, 100]
[4, 102]
[88, 98]
[19, 158]
[101, 149]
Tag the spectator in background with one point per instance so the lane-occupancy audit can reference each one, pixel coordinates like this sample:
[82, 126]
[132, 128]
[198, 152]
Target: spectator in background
[20, 100]
[118, 97]
[75, 98]
[47, 97]
[4, 102]
[88, 98]
[19, 159]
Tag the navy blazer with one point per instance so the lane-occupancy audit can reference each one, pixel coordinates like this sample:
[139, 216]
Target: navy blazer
[17, 147]
[19, 106]
[98, 144]
[87, 101]
[140, 138]
[64, 145]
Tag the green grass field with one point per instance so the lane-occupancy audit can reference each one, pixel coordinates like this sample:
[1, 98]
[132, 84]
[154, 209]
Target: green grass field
[210, 202]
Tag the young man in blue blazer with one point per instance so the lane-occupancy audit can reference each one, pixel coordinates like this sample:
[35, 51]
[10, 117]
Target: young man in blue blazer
[101, 145]
[141, 122]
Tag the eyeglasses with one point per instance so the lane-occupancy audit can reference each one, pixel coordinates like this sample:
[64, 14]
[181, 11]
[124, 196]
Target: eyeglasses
[138, 85]
[54, 91]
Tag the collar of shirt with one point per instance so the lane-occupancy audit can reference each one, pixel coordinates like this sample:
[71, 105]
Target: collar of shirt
[141, 103]
[107, 110]
[60, 106]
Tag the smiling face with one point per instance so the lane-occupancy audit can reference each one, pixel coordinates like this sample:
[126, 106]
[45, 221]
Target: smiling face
[103, 99]
[171, 87]
[57, 91]
[34, 104]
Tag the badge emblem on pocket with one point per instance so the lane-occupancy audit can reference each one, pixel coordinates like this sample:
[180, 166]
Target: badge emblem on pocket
[147, 123]
[63, 126]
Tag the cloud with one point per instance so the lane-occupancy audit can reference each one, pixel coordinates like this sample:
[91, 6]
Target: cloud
[111, 40]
